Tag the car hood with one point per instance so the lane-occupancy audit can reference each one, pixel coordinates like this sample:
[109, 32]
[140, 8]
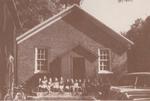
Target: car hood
[132, 92]
[125, 89]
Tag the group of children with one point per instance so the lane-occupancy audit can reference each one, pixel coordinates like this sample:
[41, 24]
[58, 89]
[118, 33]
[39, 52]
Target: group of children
[75, 86]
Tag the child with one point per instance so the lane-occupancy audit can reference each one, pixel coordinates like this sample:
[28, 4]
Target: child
[45, 84]
[80, 85]
[40, 85]
[88, 86]
[50, 84]
[72, 86]
[67, 86]
[56, 85]
[61, 84]
[83, 85]
[76, 87]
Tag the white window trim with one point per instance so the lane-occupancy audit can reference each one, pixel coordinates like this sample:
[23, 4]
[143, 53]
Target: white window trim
[99, 59]
[36, 70]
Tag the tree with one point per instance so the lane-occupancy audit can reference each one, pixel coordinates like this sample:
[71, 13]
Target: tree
[125, 0]
[139, 55]
[8, 23]
[33, 12]
[29, 13]
[136, 30]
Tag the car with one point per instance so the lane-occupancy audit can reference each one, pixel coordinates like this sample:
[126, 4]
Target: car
[132, 86]
[142, 99]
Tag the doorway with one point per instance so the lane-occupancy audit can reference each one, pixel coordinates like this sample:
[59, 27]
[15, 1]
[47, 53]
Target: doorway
[55, 68]
[78, 67]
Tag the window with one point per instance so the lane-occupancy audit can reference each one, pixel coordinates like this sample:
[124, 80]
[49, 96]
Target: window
[104, 59]
[41, 59]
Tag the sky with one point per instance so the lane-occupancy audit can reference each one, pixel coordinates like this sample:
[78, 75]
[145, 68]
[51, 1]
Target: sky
[118, 16]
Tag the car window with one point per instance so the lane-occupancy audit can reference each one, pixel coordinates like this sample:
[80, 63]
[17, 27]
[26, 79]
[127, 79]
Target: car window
[144, 81]
[135, 80]
[126, 81]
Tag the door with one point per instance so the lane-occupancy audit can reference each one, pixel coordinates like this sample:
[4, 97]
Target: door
[78, 67]
[55, 68]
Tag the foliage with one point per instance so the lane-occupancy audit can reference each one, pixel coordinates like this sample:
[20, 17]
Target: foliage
[125, 0]
[136, 30]
[32, 12]
[139, 55]
[139, 31]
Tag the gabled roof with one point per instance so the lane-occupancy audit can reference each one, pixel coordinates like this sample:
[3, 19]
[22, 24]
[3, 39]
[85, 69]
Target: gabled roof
[126, 42]
[43, 25]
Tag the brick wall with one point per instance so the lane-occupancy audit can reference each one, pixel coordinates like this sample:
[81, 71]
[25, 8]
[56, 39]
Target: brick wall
[60, 38]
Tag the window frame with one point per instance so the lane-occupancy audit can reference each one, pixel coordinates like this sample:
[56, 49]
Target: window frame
[36, 68]
[109, 59]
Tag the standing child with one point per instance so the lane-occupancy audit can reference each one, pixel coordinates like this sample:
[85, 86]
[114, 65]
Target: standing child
[76, 86]
[83, 85]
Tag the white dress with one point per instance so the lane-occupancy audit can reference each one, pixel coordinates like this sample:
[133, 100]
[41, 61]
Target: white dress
[44, 83]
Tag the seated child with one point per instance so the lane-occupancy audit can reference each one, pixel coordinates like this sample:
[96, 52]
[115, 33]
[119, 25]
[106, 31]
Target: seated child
[56, 85]
[94, 85]
[40, 85]
[88, 85]
[67, 86]
[80, 85]
[61, 84]
[45, 84]
[50, 85]
[72, 86]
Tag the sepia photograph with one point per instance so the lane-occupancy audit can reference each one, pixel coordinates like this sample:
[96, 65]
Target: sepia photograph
[75, 50]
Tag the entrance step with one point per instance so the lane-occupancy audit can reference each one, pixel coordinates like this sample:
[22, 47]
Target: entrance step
[63, 98]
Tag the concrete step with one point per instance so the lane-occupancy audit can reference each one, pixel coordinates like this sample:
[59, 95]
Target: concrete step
[60, 98]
